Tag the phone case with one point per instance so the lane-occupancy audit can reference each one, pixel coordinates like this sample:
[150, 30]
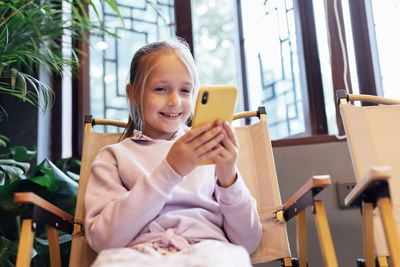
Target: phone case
[214, 102]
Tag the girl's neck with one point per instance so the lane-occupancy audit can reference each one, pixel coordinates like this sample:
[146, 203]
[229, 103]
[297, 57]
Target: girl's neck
[166, 136]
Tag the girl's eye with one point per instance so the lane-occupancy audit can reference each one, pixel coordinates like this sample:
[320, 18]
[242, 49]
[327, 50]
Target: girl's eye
[160, 89]
[186, 91]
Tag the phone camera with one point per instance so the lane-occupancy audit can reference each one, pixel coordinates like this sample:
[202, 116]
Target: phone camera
[204, 97]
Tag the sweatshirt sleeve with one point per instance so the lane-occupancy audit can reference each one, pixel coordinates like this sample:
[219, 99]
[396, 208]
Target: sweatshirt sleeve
[114, 214]
[241, 222]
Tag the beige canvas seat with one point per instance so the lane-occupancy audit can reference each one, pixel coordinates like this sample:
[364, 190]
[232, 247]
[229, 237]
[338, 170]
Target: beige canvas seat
[256, 164]
[373, 137]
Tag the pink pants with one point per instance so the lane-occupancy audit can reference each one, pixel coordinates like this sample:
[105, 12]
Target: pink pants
[210, 253]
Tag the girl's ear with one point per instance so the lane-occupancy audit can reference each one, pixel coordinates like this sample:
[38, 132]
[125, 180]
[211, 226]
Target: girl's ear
[131, 95]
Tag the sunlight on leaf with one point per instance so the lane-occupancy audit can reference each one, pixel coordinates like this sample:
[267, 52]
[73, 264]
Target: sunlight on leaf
[22, 85]
[1, 68]
[13, 77]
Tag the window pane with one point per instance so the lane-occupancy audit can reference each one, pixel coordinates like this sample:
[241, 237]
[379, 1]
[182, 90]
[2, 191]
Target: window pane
[214, 34]
[325, 61]
[273, 66]
[386, 15]
[110, 58]
[350, 48]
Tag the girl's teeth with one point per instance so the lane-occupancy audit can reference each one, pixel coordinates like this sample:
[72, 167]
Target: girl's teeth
[171, 115]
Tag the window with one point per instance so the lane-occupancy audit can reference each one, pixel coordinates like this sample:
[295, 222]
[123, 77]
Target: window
[214, 42]
[290, 56]
[385, 43]
[273, 67]
[110, 58]
[325, 61]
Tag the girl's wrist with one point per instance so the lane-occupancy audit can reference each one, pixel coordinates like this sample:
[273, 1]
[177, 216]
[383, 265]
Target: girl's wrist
[227, 184]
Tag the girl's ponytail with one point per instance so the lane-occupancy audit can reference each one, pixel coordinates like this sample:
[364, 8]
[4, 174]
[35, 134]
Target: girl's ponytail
[128, 130]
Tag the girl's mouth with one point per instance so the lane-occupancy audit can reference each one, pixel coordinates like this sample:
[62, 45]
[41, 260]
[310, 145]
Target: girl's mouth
[171, 115]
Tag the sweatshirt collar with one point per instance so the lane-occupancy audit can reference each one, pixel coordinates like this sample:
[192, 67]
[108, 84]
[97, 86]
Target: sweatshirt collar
[139, 136]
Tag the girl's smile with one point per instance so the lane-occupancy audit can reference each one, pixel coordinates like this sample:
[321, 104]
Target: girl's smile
[171, 116]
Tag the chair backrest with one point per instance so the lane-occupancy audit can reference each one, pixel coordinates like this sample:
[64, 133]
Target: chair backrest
[256, 164]
[81, 253]
[373, 137]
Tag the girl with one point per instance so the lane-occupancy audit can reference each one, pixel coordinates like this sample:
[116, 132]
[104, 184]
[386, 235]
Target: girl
[147, 197]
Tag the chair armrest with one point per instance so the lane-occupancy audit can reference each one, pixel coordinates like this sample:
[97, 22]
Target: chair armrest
[304, 196]
[368, 184]
[46, 212]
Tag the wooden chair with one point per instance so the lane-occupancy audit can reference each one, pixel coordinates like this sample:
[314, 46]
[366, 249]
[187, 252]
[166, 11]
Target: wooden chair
[256, 164]
[373, 137]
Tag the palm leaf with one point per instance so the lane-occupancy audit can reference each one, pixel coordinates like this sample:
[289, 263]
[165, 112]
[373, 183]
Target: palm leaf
[31, 36]
[3, 140]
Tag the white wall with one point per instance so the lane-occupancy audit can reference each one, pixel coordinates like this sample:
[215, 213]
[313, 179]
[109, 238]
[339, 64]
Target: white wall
[295, 165]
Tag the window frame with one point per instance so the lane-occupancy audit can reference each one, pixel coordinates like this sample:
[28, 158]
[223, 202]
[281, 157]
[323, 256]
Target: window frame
[315, 115]
[316, 118]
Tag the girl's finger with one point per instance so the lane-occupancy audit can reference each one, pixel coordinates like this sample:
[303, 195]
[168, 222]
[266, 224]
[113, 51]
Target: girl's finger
[193, 133]
[210, 154]
[227, 142]
[223, 153]
[231, 134]
[209, 145]
[206, 137]
[228, 132]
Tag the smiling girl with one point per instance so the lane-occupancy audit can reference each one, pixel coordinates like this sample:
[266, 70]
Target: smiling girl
[148, 202]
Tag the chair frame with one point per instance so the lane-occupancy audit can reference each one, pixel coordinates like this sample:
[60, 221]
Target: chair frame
[372, 191]
[55, 219]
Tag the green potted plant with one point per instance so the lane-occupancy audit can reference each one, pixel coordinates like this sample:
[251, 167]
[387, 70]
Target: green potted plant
[57, 183]
[31, 36]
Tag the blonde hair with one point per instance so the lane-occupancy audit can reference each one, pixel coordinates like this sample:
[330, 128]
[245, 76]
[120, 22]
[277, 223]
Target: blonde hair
[142, 63]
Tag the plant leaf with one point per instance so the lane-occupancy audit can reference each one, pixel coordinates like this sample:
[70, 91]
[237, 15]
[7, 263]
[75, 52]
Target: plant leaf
[42, 186]
[21, 153]
[73, 176]
[12, 171]
[62, 183]
[11, 162]
[62, 238]
[8, 251]
[113, 5]
[22, 85]
[69, 164]
[1, 67]
[65, 184]
[13, 77]
[3, 139]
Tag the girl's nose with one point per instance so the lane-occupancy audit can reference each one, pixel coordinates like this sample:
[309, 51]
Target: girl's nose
[174, 99]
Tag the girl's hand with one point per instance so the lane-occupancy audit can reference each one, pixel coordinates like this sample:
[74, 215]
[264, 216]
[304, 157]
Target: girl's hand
[195, 147]
[225, 169]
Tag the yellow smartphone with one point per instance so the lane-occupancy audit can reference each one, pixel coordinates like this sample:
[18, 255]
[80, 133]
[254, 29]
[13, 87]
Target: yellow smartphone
[214, 102]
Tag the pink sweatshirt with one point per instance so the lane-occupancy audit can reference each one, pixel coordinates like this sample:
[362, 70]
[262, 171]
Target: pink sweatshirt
[133, 197]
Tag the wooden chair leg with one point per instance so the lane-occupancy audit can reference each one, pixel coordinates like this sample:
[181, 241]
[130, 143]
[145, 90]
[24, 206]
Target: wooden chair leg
[301, 237]
[287, 262]
[368, 233]
[324, 235]
[25, 244]
[382, 261]
[392, 236]
[54, 247]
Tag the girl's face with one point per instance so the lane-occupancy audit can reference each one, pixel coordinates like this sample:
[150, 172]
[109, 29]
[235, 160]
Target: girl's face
[167, 100]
